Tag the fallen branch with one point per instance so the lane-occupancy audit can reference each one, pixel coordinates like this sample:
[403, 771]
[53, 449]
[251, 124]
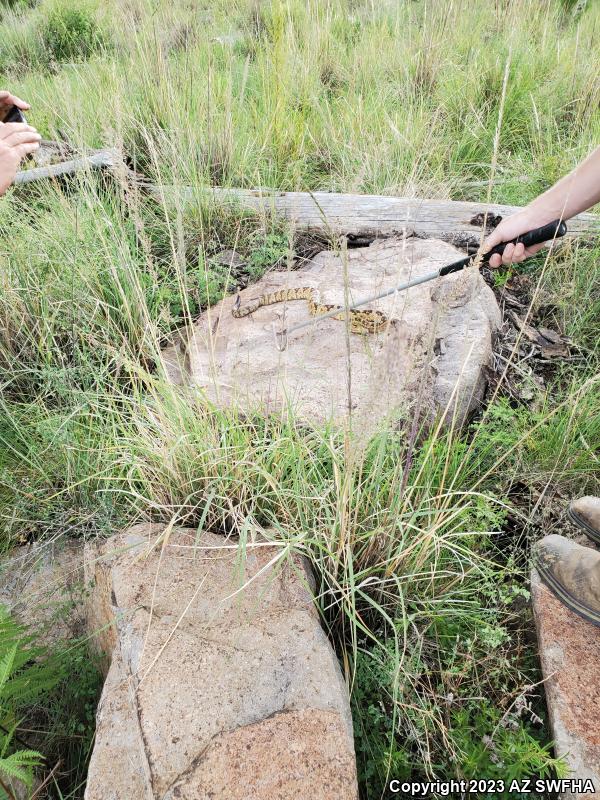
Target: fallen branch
[101, 159]
[330, 214]
[327, 214]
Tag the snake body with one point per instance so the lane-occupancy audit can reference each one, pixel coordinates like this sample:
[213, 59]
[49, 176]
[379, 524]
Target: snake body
[363, 321]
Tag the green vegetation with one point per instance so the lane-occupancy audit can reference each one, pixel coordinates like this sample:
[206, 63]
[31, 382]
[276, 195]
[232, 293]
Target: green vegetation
[50, 696]
[21, 683]
[70, 34]
[419, 543]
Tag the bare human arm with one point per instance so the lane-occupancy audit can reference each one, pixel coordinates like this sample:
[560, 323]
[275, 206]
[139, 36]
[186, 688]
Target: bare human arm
[576, 192]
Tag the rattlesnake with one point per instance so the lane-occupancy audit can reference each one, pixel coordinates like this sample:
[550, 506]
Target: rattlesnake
[366, 321]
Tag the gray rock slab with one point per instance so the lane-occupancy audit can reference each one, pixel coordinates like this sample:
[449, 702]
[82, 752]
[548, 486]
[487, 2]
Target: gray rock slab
[570, 655]
[433, 358]
[221, 682]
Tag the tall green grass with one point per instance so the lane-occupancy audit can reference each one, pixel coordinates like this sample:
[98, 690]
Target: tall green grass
[398, 98]
[420, 589]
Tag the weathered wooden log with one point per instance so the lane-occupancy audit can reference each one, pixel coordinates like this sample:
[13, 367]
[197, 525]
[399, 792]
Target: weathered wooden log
[101, 159]
[328, 214]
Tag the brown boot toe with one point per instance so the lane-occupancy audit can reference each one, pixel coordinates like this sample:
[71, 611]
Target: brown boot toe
[572, 573]
[585, 513]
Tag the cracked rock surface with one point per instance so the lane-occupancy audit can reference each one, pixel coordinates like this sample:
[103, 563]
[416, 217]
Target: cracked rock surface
[221, 683]
[433, 357]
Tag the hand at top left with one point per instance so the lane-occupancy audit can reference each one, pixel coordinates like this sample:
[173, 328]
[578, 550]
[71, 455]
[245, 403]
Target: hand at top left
[8, 100]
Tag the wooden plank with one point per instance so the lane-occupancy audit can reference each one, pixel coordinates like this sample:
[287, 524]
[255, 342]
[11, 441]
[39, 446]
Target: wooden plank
[330, 213]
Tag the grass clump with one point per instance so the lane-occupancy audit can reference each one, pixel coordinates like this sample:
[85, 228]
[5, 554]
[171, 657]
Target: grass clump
[43, 36]
[71, 34]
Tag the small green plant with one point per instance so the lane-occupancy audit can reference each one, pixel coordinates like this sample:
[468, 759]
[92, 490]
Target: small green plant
[401, 730]
[267, 251]
[26, 674]
[501, 278]
[48, 700]
[71, 34]
[66, 717]
[213, 281]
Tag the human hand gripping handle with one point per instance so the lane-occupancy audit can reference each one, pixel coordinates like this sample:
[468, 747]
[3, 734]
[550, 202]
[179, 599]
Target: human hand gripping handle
[576, 192]
[510, 234]
[528, 242]
[537, 236]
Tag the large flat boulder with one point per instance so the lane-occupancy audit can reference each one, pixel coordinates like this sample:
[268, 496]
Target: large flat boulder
[570, 655]
[222, 683]
[434, 356]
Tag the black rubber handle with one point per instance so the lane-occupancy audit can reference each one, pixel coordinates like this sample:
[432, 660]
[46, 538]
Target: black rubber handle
[544, 234]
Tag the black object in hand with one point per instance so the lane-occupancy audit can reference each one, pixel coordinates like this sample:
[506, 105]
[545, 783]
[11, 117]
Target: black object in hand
[544, 234]
[14, 114]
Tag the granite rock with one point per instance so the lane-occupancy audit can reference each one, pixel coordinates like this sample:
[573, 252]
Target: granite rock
[432, 359]
[222, 683]
[42, 586]
[570, 655]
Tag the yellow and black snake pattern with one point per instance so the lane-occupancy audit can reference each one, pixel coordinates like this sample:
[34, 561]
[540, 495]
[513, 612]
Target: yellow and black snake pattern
[363, 321]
